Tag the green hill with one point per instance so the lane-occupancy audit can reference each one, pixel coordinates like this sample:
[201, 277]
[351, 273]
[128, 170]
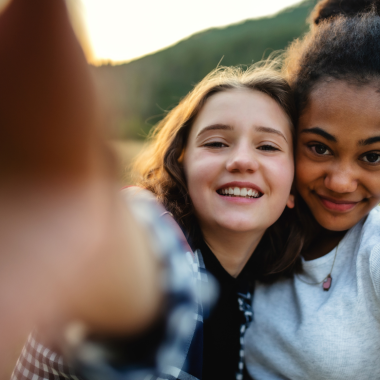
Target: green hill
[139, 92]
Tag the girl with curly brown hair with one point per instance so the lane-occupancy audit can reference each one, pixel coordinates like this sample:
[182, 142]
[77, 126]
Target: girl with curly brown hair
[222, 163]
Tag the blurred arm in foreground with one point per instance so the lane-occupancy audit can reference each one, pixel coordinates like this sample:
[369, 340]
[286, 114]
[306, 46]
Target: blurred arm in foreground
[70, 248]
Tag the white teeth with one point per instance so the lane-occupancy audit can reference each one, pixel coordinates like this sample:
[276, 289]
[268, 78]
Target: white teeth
[243, 192]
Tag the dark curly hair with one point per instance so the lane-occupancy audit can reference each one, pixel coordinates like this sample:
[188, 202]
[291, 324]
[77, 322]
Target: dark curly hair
[343, 44]
[329, 9]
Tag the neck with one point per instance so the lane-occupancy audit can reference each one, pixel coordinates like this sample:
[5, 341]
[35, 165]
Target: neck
[232, 249]
[322, 242]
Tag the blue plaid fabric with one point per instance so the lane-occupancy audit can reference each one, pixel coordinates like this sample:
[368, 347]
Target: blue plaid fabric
[189, 291]
[245, 306]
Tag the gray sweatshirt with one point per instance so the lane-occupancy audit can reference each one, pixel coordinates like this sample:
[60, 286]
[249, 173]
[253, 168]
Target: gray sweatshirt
[300, 331]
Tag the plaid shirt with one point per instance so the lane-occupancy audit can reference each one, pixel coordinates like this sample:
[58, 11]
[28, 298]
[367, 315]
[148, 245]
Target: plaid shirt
[189, 291]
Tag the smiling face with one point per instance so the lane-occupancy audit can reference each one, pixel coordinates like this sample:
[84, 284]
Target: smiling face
[239, 161]
[338, 154]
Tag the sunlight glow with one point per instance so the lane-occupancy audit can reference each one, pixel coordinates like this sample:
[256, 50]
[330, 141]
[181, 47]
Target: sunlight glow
[121, 30]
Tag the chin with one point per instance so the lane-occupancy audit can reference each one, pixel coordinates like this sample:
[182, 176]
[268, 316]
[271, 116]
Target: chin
[239, 225]
[335, 223]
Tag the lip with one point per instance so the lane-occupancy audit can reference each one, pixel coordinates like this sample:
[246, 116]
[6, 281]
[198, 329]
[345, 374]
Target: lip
[248, 185]
[337, 205]
[238, 200]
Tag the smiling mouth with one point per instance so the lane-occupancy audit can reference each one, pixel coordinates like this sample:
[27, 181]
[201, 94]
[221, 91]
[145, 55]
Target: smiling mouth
[337, 205]
[239, 192]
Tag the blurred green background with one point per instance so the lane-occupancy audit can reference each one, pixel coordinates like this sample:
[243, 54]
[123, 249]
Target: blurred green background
[139, 93]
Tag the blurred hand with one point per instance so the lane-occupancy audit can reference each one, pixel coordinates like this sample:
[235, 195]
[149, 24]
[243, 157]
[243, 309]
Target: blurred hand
[69, 247]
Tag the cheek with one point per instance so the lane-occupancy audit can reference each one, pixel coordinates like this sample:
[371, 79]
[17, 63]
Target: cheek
[371, 183]
[306, 172]
[303, 177]
[200, 171]
[281, 174]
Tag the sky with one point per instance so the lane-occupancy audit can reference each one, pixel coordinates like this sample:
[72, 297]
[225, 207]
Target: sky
[121, 30]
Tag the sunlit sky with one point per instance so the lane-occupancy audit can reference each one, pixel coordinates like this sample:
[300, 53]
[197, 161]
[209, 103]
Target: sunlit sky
[121, 30]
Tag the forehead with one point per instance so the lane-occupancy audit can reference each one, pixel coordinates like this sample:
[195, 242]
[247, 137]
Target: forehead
[343, 109]
[241, 107]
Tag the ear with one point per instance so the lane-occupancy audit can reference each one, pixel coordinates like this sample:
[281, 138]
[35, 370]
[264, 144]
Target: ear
[290, 202]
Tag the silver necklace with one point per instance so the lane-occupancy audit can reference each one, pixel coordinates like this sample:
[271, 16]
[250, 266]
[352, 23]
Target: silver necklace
[327, 281]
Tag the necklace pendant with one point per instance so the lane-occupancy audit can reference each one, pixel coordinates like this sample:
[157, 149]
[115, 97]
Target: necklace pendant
[327, 283]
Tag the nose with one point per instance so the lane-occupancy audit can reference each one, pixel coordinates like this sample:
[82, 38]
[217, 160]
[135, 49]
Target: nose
[242, 159]
[341, 178]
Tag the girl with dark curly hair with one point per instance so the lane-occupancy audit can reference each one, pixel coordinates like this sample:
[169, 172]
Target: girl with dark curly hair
[324, 322]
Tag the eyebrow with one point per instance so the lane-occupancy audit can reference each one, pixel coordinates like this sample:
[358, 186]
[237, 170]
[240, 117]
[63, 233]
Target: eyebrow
[369, 141]
[214, 127]
[328, 136]
[319, 131]
[271, 130]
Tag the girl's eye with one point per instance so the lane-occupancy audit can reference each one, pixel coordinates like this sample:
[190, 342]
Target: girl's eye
[320, 149]
[215, 144]
[268, 147]
[372, 158]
